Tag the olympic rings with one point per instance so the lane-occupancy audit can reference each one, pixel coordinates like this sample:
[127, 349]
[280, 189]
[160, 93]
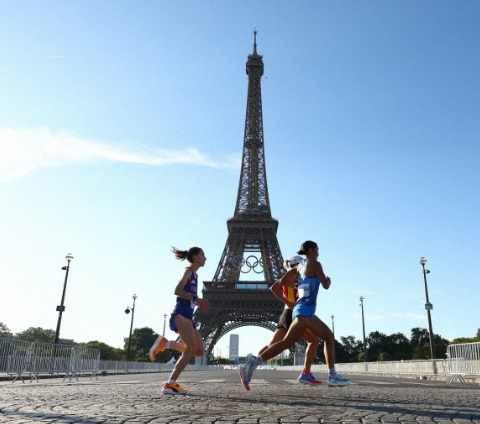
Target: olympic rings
[251, 263]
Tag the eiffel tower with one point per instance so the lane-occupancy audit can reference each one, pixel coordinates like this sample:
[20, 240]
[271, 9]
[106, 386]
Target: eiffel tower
[252, 243]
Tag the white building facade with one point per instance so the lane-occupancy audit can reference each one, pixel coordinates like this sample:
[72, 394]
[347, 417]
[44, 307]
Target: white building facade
[234, 347]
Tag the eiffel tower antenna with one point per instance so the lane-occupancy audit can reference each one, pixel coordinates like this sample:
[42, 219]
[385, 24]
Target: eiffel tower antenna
[252, 243]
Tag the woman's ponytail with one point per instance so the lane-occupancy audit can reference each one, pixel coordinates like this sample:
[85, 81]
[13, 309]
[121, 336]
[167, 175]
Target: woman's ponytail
[186, 254]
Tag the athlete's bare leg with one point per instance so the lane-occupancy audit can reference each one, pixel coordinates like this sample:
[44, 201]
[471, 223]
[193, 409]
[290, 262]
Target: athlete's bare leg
[312, 345]
[200, 347]
[295, 332]
[279, 334]
[189, 336]
[320, 329]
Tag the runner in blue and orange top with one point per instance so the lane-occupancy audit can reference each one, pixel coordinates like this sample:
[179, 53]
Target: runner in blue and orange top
[181, 319]
[289, 296]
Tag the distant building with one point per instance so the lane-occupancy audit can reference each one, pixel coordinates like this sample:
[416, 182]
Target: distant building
[233, 354]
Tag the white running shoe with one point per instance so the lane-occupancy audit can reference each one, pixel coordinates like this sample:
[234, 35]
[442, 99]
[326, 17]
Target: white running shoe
[338, 380]
[243, 376]
[251, 364]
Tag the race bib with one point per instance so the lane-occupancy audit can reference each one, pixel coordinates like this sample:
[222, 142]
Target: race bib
[303, 290]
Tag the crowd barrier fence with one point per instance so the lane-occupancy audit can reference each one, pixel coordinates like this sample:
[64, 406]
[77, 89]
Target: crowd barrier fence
[14, 357]
[18, 358]
[463, 361]
[124, 367]
[407, 368]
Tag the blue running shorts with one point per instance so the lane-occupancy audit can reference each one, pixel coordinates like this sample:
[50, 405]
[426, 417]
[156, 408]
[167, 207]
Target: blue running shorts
[184, 311]
[304, 311]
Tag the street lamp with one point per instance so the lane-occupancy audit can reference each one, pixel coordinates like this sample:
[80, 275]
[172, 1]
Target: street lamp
[333, 331]
[428, 307]
[363, 325]
[164, 323]
[333, 327]
[127, 311]
[61, 307]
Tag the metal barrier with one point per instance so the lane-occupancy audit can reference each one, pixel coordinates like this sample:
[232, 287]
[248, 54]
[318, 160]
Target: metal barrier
[413, 368]
[53, 359]
[86, 361]
[18, 358]
[14, 357]
[123, 367]
[409, 368]
[463, 361]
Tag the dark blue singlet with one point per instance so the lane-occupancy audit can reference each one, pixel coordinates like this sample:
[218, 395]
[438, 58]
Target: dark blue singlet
[185, 307]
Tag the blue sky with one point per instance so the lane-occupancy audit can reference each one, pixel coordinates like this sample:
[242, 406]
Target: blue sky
[121, 129]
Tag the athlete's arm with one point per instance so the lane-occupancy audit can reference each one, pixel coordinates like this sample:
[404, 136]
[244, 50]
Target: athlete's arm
[277, 291]
[314, 269]
[322, 277]
[180, 292]
[288, 278]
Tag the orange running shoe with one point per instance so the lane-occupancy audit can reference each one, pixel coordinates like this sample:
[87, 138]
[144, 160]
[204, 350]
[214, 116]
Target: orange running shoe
[158, 346]
[173, 389]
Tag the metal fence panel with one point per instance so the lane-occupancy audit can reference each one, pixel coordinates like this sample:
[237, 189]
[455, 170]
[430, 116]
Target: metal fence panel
[49, 358]
[463, 360]
[14, 357]
[86, 361]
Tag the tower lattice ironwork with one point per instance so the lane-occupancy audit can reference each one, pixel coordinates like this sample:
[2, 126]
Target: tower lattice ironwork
[252, 243]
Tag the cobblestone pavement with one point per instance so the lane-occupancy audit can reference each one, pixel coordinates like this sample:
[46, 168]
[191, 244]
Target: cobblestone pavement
[218, 397]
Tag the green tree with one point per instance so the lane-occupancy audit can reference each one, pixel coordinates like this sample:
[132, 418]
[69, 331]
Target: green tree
[440, 346]
[420, 342]
[348, 350]
[399, 347]
[376, 343]
[384, 356]
[467, 339]
[225, 361]
[106, 351]
[421, 351]
[5, 331]
[36, 334]
[419, 336]
[142, 341]
[166, 355]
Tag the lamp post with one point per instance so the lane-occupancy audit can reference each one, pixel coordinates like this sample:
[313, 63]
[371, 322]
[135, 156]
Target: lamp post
[333, 331]
[127, 311]
[363, 325]
[428, 307]
[61, 307]
[333, 327]
[164, 323]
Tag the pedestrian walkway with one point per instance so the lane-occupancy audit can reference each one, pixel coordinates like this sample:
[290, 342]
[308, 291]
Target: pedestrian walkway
[218, 397]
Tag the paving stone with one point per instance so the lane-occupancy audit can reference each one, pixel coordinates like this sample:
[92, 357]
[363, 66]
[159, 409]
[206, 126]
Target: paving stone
[274, 400]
